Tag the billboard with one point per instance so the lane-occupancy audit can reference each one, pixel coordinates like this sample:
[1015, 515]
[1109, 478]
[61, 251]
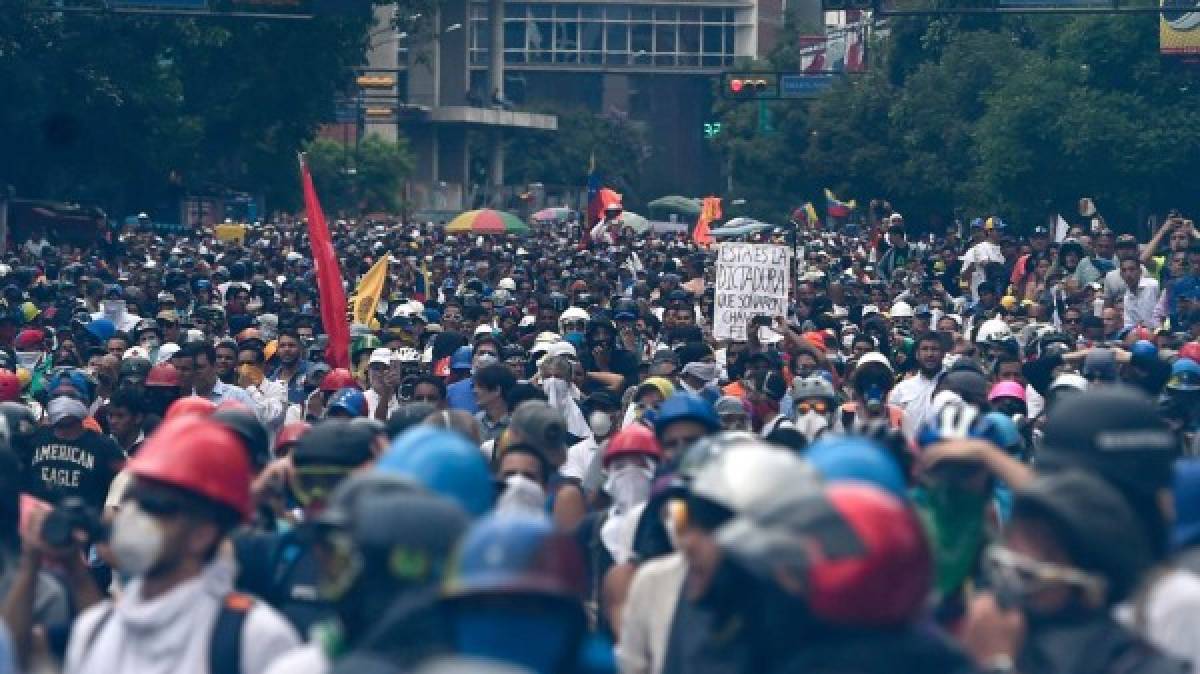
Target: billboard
[1179, 28]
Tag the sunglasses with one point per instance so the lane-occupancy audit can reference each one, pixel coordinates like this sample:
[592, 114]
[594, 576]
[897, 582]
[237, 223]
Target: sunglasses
[425, 399]
[158, 505]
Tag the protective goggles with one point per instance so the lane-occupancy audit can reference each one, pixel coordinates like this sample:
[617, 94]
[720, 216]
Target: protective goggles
[1016, 576]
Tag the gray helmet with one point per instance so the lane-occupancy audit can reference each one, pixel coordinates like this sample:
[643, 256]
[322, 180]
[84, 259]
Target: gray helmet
[815, 386]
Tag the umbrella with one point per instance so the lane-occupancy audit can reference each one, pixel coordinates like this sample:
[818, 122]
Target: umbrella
[741, 229]
[676, 204]
[554, 214]
[486, 221]
[635, 222]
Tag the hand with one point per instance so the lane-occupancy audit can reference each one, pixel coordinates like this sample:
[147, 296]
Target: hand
[273, 478]
[990, 632]
[315, 405]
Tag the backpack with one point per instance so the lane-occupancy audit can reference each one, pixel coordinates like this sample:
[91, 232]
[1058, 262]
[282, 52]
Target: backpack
[225, 646]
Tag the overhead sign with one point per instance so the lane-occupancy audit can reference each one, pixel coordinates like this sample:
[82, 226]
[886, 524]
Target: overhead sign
[803, 85]
[752, 280]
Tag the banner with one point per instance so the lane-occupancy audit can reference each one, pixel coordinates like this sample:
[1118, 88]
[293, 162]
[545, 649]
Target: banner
[1179, 31]
[230, 233]
[329, 275]
[367, 294]
[709, 211]
[752, 280]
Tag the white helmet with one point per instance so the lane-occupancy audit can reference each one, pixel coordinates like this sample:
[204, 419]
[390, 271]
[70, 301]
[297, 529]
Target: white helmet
[407, 354]
[816, 386]
[993, 330]
[901, 309]
[745, 477]
[874, 357]
[542, 342]
[507, 284]
[570, 315]
[1069, 380]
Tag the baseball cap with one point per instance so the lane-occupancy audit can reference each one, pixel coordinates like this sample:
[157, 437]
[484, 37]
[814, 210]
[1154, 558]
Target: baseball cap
[381, 355]
[539, 425]
[729, 405]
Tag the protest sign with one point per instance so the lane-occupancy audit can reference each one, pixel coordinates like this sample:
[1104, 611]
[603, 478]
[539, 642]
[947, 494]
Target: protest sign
[752, 280]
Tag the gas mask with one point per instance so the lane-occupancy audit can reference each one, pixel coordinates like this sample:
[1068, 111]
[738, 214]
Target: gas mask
[1015, 579]
[812, 424]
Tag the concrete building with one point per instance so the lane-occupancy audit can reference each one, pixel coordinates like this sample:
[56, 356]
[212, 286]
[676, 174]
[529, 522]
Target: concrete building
[654, 63]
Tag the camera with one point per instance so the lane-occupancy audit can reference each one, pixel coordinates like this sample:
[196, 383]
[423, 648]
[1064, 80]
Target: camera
[69, 516]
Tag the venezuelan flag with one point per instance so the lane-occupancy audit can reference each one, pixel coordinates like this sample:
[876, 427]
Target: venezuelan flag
[837, 208]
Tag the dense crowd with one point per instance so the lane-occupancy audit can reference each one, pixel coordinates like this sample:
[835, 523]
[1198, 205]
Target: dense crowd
[970, 450]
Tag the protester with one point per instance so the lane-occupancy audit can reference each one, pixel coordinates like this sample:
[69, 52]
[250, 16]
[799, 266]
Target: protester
[919, 462]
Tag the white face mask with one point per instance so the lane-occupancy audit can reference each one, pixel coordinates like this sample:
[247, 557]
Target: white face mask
[136, 541]
[601, 423]
[628, 486]
[811, 424]
[521, 495]
[254, 305]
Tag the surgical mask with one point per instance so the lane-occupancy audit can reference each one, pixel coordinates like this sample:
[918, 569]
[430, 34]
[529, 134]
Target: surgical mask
[873, 397]
[150, 342]
[136, 541]
[628, 485]
[812, 424]
[600, 423]
[254, 304]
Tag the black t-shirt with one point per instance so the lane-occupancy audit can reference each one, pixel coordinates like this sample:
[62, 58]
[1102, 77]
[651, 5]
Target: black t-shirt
[83, 467]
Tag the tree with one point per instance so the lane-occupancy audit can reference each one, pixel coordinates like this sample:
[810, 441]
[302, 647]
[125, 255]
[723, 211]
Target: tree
[618, 146]
[105, 108]
[965, 116]
[366, 178]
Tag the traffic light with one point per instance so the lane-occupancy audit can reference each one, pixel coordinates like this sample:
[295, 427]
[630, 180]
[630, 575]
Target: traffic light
[375, 81]
[751, 85]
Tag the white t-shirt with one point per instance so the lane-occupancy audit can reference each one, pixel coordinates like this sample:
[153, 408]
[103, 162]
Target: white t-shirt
[980, 255]
[913, 395]
[1166, 615]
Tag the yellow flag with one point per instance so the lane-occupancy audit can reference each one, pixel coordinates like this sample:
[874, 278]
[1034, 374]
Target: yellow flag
[370, 288]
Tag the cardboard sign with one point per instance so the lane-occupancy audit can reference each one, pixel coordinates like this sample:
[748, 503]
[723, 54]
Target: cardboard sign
[752, 280]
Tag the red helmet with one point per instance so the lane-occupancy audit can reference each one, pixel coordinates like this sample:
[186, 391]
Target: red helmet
[887, 579]
[633, 440]
[194, 406]
[10, 387]
[163, 374]
[338, 378]
[289, 435]
[201, 456]
[1190, 350]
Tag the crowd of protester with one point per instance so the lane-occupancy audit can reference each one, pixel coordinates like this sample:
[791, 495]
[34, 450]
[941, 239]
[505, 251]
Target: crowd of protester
[970, 450]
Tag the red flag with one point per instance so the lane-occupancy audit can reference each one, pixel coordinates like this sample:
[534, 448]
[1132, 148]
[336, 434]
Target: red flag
[709, 211]
[329, 276]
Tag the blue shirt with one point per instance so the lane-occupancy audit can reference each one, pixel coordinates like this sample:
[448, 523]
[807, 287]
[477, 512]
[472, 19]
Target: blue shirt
[461, 396]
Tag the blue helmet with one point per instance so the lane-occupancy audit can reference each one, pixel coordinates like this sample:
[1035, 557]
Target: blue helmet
[348, 400]
[999, 429]
[461, 358]
[507, 553]
[102, 328]
[686, 407]
[444, 462]
[1185, 375]
[842, 458]
[1144, 348]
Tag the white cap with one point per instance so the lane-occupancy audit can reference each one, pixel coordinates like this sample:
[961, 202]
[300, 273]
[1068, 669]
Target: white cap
[483, 330]
[381, 355]
[527, 321]
[167, 350]
[507, 284]
[894, 217]
[136, 352]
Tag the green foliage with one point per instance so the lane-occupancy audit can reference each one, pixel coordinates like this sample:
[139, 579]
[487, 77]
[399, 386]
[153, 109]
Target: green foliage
[367, 178]
[618, 146]
[965, 116]
[106, 108]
